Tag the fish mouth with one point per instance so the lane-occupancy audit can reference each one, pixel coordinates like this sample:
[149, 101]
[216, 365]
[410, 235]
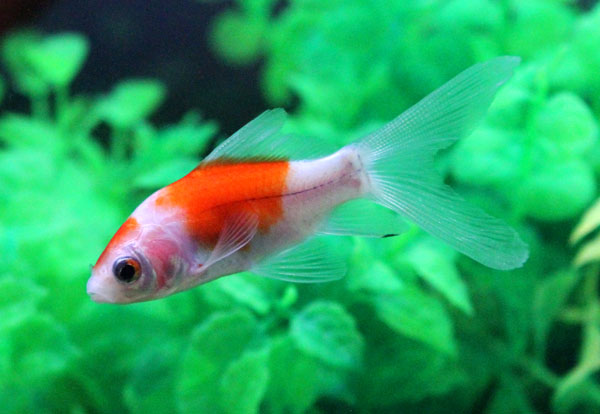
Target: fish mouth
[99, 297]
[94, 292]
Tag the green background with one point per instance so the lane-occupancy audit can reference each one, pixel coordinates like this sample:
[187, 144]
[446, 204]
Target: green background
[414, 327]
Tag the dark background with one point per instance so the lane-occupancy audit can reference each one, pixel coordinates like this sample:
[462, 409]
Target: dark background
[167, 40]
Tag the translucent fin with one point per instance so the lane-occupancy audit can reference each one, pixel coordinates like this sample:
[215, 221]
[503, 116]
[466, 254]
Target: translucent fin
[363, 218]
[262, 138]
[309, 262]
[399, 160]
[236, 233]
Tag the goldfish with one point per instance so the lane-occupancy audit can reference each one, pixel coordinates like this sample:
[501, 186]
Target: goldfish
[259, 200]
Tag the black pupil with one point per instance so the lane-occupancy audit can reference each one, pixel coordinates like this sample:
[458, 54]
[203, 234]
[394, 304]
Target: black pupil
[125, 272]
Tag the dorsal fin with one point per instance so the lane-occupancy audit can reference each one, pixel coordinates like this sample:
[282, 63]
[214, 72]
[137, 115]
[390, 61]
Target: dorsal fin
[262, 139]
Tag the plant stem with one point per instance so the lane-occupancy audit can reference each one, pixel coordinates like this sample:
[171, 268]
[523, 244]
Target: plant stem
[40, 107]
[62, 101]
[119, 144]
[590, 284]
[539, 372]
[573, 316]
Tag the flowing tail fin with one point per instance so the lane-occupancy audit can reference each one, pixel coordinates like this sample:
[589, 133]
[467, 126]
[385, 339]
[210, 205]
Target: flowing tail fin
[399, 162]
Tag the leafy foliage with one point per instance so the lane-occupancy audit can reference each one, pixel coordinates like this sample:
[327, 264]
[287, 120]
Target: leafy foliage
[324, 330]
[414, 327]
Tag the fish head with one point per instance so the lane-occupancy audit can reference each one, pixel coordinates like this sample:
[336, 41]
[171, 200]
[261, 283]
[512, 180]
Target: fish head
[143, 261]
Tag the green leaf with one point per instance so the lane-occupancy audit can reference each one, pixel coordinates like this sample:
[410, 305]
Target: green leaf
[536, 25]
[166, 173]
[588, 223]
[23, 131]
[509, 109]
[190, 136]
[15, 49]
[111, 350]
[585, 40]
[434, 262]
[257, 8]
[241, 289]
[77, 116]
[293, 383]
[150, 387]
[418, 316]
[578, 390]
[131, 101]
[326, 331]
[567, 122]
[558, 191]
[378, 277]
[569, 71]
[588, 253]
[40, 347]
[288, 297]
[550, 296]
[58, 59]
[244, 383]
[18, 299]
[171, 152]
[510, 397]
[188, 139]
[482, 14]
[488, 157]
[238, 38]
[217, 341]
[401, 370]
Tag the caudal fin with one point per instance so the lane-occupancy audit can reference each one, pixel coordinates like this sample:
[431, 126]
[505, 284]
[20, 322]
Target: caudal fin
[399, 162]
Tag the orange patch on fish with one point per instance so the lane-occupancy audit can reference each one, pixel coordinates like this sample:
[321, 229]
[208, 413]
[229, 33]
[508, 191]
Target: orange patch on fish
[215, 191]
[129, 226]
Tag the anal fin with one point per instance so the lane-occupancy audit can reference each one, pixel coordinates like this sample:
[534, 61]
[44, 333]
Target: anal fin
[365, 218]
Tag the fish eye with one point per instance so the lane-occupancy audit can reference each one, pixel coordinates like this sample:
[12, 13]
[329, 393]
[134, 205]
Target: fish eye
[127, 269]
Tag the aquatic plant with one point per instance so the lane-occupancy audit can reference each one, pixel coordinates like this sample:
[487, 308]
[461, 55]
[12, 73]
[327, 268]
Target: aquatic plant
[414, 327]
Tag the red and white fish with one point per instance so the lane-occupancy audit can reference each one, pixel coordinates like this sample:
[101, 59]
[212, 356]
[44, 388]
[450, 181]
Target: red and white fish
[247, 206]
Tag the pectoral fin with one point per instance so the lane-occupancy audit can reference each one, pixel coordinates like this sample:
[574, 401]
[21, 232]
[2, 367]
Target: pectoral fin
[237, 232]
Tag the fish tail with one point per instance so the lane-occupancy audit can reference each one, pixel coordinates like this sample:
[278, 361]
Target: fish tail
[399, 164]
